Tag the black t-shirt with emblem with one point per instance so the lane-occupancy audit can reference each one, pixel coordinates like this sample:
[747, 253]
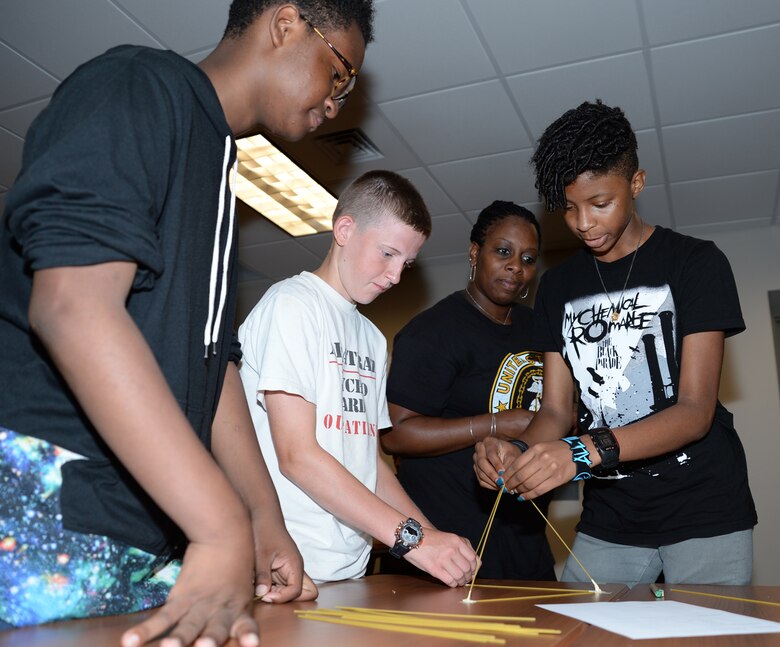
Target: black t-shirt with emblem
[451, 361]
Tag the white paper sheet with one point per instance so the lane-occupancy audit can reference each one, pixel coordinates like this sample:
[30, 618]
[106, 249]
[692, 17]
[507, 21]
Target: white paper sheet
[662, 619]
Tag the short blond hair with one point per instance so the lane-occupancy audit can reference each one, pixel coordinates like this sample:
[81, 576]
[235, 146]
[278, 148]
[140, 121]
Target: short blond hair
[378, 193]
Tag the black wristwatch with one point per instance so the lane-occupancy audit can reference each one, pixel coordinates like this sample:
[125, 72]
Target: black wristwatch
[607, 446]
[408, 536]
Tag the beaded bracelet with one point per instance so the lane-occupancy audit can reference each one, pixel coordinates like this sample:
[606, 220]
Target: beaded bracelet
[580, 457]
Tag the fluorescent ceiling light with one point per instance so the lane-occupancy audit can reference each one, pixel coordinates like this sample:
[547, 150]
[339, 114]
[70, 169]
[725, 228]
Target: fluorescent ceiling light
[272, 184]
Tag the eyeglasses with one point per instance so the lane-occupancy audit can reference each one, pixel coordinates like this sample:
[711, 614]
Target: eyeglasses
[343, 86]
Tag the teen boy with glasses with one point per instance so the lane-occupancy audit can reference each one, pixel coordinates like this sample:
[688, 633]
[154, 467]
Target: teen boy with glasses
[125, 439]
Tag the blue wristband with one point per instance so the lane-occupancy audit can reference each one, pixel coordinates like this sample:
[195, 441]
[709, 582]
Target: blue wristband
[579, 456]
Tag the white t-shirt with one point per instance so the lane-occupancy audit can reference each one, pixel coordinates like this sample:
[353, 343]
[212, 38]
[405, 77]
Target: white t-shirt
[304, 338]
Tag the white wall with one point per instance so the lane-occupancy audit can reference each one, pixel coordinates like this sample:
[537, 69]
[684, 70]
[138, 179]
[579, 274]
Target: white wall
[749, 384]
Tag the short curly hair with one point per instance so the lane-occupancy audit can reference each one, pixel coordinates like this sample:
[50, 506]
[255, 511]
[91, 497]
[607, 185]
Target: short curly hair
[326, 14]
[592, 137]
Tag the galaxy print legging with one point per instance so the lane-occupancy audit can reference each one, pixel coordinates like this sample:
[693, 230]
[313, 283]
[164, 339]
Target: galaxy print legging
[49, 573]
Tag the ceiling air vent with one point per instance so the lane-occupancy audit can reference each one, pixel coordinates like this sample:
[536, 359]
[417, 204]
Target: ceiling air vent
[348, 147]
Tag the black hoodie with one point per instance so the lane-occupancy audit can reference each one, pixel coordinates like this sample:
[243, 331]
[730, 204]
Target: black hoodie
[130, 161]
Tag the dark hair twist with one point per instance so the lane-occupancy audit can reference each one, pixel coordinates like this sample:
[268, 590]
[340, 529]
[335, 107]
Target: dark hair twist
[592, 137]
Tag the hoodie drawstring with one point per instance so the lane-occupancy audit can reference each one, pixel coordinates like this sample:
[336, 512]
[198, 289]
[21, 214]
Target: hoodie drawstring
[213, 324]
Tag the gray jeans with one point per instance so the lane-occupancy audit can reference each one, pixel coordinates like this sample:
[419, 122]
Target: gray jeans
[725, 559]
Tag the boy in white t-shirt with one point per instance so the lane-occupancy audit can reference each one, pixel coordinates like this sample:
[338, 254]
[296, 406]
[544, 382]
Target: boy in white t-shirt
[313, 371]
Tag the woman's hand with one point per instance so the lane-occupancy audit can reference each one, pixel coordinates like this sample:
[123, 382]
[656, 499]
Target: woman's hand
[492, 456]
[543, 467]
[529, 474]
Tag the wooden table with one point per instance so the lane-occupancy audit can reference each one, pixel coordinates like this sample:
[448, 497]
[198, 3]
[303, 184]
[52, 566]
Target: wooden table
[280, 627]
[595, 636]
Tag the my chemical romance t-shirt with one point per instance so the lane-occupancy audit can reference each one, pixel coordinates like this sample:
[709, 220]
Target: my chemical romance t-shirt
[629, 368]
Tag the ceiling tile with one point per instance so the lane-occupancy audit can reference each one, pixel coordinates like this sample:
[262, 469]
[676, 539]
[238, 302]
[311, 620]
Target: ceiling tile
[441, 126]
[735, 199]
[555, 233]
[718, 77]
[436, 200]
[668, 21]
[177, 24]
[717, 96]
[59, 39]
[709, 231]
[618, 80]
[450, 236]
[317, 244]
[358, 113]
[18, 120]
[20, 80]
[726, 146]
[249, 293]
[423, 46]
[245, 274]
[649, 151]
[277, 260]
[198, 55]
[475, 183]
[653, 206]
[527, 35]
[254, 228]
[11, 159]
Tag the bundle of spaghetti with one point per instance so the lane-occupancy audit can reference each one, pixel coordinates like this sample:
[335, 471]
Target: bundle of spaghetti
[470, 628]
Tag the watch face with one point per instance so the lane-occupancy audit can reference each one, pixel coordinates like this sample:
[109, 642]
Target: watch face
[604, 440]
[607, 447]
[410, 534]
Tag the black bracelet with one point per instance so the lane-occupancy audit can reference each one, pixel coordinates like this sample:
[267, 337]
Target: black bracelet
[523, 446]
[580, 457]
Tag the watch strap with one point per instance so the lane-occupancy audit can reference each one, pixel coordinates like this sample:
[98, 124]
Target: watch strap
[398, 550]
